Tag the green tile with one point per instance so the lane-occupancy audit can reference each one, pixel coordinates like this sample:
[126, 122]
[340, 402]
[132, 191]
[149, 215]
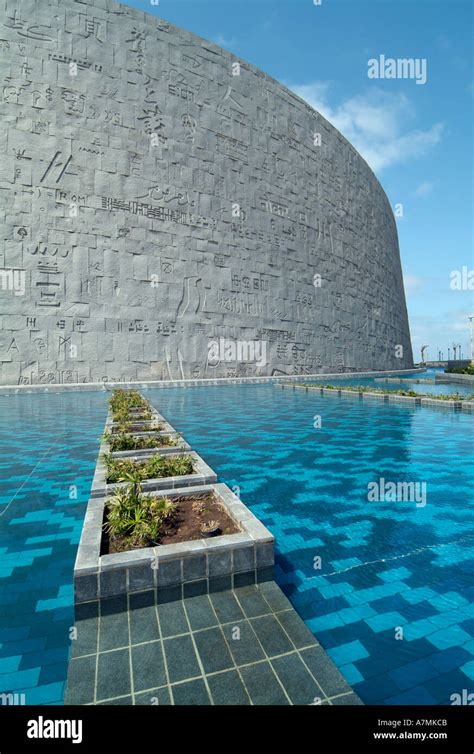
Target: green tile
[113, 626]
[181, 658]
[325, 672]
[113, 675]
[294, 676]
[244, 579]
[298, 632]
[172, 619]
[86, 610]
[143, 620]
[271, 635]
[262, 684]
[220, 583]
[169, 594]
[226, 606]
[81, 681]
[200, 612]
[243, 642]
[194, 588]
[154, 697]
[191, 692]
[213, 650]
[227, 688]
[148, 666]
[274, 596]
[252, 601]
[87, 637]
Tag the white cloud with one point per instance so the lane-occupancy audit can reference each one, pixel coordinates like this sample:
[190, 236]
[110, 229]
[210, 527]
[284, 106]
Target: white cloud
[440, 330]
[413, 283]
[424, 189]
[223, 41]
[375, 123]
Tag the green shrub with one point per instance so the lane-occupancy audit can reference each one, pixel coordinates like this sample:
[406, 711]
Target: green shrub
[121, 401]
[138, 517]
[126, 441]
[156, 467]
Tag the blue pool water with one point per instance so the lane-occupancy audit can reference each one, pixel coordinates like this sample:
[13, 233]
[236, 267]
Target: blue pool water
[48, 450]
[384, 566]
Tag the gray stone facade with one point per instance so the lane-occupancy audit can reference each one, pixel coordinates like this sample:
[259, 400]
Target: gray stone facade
[158, 194]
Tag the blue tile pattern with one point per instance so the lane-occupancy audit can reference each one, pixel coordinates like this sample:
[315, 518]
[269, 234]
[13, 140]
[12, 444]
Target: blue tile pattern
[48, 449]
[388, 569]
[385, 568]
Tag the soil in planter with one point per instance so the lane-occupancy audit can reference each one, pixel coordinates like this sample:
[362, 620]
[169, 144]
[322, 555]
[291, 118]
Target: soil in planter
[185, 524]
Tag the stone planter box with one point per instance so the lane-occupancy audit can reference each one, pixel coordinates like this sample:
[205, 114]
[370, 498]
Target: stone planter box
[156, 418]
[404, 399]
[441, 404]
[203, 475]
[178, 570]
[380, 396]
[181, 447]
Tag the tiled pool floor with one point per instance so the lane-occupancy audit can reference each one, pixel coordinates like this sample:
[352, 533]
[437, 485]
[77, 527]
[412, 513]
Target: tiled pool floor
[383, 566]
[386, 587]
[48, 449]
[246, 646]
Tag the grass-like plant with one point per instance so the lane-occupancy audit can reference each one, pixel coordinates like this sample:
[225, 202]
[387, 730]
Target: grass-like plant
[123, 402]
[126, 441]
[156, 467]
[139, 518]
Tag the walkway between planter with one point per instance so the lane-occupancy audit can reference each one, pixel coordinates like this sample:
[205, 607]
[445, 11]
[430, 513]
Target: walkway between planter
[242, 646]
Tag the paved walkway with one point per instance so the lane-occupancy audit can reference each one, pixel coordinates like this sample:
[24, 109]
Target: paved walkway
[245, 646]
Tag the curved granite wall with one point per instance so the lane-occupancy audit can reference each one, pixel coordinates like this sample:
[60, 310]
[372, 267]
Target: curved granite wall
[158, 195]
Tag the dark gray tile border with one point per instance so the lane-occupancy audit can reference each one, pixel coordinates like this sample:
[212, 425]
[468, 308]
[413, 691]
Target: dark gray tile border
[213, 653]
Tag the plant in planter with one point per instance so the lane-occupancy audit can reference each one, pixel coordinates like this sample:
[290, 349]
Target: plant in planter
[136, 518]
[124, 403]
[152, 468]
[127, 441]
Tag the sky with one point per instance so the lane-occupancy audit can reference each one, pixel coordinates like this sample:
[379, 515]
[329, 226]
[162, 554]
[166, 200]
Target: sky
[417, 137]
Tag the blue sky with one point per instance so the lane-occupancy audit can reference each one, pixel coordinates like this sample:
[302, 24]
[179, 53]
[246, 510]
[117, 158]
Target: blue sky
[417, 138]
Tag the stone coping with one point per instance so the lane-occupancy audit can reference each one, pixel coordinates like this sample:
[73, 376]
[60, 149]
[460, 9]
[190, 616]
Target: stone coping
[99, 576]
[388, 398]
[145, 384]
[452, 377]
